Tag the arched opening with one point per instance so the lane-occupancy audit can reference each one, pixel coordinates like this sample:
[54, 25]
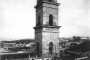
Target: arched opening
[50, 0]
[37, 49]
[50, 48]
[39, 22]
[38, 1]
[51, 20]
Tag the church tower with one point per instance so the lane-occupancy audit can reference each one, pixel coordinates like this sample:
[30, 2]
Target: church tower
[47, 29]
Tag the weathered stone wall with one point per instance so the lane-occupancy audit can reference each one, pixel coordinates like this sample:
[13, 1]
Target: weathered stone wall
[50, 9]
[39, 12]
[38, 39]
[49, 36]
[44, 37]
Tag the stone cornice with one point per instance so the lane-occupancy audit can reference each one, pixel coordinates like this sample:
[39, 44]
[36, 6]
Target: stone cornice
[52, 3]
[37, 27]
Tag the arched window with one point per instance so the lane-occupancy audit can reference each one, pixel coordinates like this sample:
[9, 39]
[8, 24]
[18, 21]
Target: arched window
[39, 22]
[51, 20]
[38, 1]
[37, 47]
[50, 0]
[50, 48]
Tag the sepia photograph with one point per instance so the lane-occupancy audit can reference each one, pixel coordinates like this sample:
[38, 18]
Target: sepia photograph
[44, 29]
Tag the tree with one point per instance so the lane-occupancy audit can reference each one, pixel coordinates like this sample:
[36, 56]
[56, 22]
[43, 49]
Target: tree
[76, 39]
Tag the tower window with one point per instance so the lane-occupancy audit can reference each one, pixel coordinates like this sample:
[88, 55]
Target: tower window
[39, 22]
[37, 47]
[50, 0]
[50, 48]
[51, 20]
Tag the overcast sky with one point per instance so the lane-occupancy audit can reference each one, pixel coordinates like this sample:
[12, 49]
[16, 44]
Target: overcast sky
[17, 18]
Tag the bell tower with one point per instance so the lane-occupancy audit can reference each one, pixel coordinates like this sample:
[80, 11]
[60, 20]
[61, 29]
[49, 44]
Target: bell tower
[47, 29]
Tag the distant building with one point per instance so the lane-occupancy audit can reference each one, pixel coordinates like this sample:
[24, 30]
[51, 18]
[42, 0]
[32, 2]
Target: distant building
[17, 49]
[18, 44]
[1, 44]
[9, 45]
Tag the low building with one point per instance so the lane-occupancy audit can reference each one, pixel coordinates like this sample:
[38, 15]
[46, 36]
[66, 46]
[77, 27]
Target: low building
[17, 49]
[9, 45]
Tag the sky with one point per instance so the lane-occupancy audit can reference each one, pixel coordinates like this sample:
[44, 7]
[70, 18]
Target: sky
[17, 18]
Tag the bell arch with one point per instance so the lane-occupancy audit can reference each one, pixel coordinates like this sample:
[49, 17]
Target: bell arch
[50, 0]
[37, 48]
[39, 21]
[51, 48]
[51, 20]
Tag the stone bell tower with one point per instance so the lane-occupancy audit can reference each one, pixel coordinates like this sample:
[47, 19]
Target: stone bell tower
[47, 29]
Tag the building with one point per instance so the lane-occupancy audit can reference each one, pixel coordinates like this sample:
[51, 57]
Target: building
[18, 49]
[9, 45]
[18, 45]
[47, 29]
